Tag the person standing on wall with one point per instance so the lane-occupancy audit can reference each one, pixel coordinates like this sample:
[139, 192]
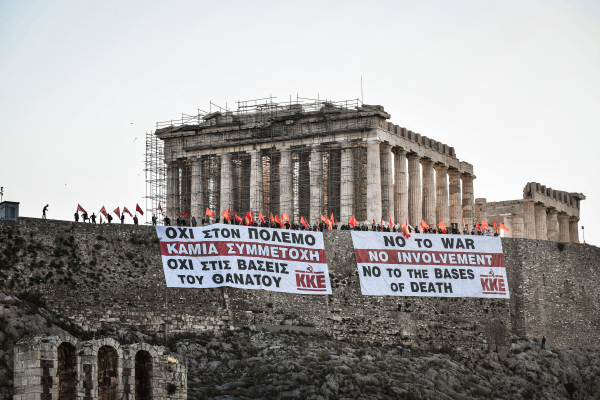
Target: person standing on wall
[153, 220]
[122, 218]
[84, 217]
[93, 218]
[44, 211]
[135, 219]
[76, 215]
[109, 218]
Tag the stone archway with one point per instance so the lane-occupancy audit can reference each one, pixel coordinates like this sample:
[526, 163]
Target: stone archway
[67, 371]
[108, 374]
[143, 375]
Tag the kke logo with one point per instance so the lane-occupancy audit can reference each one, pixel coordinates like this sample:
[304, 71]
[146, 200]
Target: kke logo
[311, 281]
[493, 284]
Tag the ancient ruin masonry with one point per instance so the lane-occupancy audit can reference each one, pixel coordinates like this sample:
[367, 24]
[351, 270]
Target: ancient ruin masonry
[61, 367]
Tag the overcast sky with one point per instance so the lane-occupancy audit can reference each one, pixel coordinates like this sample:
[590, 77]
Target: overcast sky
[513, 86]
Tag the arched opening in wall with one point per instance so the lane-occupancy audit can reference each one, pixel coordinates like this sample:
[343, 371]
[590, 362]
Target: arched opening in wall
[108, 376]
[143, 375]
[67, 372]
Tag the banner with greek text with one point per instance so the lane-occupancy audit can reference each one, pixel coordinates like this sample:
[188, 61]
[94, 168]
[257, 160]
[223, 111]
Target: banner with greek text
[244, 257]
[430, 265]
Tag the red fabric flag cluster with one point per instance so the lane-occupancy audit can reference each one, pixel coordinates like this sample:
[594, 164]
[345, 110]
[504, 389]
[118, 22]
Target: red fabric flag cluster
[238, 219]
[352, 221]
[404, 228]
[118, 212]
[477, 226]
[209, 213]
[139, 209]
[284, 217]
[226, 214]
[160, 208]
[261, 218]
[278, 220]
[125, 210]
[502, 226]
[484, 225]
[424, 225]
[304, 222]
[80, 209]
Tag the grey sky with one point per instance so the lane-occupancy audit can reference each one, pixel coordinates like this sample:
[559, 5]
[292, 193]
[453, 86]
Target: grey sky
[513, 86]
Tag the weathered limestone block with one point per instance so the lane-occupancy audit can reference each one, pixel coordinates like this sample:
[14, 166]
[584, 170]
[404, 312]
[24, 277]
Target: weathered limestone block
[468, 200]
[529, 219]
[455, 197]
[442, 208]
[574, 230]
[563, 228]
[552, 225]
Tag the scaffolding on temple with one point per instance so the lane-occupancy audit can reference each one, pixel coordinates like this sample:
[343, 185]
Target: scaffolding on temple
[285, 143]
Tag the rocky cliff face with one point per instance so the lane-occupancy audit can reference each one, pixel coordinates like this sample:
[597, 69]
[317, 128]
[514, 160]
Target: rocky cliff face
[247, 365]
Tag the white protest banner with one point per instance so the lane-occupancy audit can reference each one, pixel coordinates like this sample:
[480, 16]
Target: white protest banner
[244, 257]
[430, 265]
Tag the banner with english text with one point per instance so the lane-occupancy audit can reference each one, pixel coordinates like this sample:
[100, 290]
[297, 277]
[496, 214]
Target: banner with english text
[244, 257]
[430, 265]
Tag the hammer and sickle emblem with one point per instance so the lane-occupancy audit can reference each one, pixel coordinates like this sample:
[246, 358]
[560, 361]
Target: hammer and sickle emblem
[491, 272]
[309, 269]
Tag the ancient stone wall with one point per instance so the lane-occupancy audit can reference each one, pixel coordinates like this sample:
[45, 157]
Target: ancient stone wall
[102, 276]
[61, 367]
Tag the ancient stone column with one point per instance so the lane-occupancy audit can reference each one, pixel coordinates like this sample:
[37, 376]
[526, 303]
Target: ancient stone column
[563, 228]
[455, 198]
[518, 230]
[415, 206]
[285, 183]
[574, 229]
[316, 183]
[198, 210]
[373, 180]
[347, 183]
[226, 184]
[468, 198]
[529, 219]
[387, 182]
[428, 193]
[552, 225]
[442, 210]
[540, 222]
[173, 195]
[256, 178]
[400, 187]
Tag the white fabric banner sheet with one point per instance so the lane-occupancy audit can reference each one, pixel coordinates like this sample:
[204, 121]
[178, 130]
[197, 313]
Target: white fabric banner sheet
[430, 265]
[244, 257]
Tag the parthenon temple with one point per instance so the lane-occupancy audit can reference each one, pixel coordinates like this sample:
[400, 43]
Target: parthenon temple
[543, 214]
[309, 158]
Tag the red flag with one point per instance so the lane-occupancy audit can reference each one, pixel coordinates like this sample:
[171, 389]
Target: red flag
[374, 221]
[261, 218]
[502, 226]
[226, 215]
[443, 227]
[209, 213]
[332, 219]
[160, 208]
[138, 209]
[303, 222]
[80, 209]
[381, 222]
[424, 225]
[352, 221]
[284, 217]
[477, 226]
[125, 210]
[271, 220]
[495, 227]
[118, 212]
[405, 231]
[101, 219]
[184, 214]
[484, 225]
[103, 212]
[278, 220]
[391, 223]
[238, 219]
[463, 222]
